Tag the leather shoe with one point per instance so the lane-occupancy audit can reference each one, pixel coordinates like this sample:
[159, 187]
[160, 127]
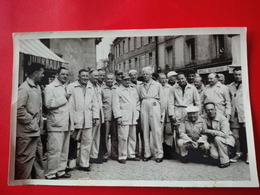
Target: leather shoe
[95, 161]
[122, 161]
[158, 160]
[87, 169]
[224, 165]
[134, 159]
[52, 178]
[146, 159]
[66, 175]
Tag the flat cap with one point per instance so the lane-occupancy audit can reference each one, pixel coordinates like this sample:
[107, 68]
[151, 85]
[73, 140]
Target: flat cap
[171, 73]
[192, 109]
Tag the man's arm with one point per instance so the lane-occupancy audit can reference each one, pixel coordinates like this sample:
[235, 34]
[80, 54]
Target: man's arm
[51, 102]
[23, 115]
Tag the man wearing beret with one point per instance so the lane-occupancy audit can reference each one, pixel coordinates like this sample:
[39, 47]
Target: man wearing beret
[126, 106]
[191, 134]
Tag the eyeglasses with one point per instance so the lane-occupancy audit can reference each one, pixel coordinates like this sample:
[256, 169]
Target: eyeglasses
[120, 74]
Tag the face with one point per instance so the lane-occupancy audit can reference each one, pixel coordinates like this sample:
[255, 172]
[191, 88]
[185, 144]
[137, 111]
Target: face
[126, 82]
[162, 79]
[238, 75]
[94, 76]
[83, 77]
[133, 77]
[197, 83]
[212, 79]
[172, 79]
[119, 76]
[221, 79]
[39, 75]
[210, 110]
[110, 80]
[182, 80]
[193, 116]
[101, 76]
[190, 78]
[147, 75]
[63, 76]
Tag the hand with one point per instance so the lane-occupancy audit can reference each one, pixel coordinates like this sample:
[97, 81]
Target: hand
[228, 117]
[95, 121]
[67, 96]
[119, 121]
[173, 119]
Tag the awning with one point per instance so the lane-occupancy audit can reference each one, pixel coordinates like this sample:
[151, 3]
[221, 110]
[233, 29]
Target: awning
[36, 48]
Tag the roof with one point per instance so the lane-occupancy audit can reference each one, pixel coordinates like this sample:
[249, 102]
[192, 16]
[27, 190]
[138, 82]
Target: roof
[36, 48]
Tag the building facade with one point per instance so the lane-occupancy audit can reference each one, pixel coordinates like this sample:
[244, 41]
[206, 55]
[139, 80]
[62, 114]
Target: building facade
[204, 53]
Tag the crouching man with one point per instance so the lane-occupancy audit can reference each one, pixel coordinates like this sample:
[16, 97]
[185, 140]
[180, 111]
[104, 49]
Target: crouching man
[126, 108]
[192, 137]
[219, 135]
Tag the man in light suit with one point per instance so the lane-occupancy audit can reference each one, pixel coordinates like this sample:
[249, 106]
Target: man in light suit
[152, 107]
[219, 134]
[58, 125]
[94, 158]
[29, 124]
[126, 108]
[85, 112]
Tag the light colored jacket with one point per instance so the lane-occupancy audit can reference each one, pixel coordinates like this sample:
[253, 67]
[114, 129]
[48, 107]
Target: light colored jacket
[218, 94]
[84, 107]
[193, 131]
[237, 102]
[126, 104]
[107, 94]
[98, 95]
[154, 91]
[29, 110]
[178, 100]
[220, 126]
[58, 107]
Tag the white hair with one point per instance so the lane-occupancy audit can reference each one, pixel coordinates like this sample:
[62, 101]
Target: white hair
[147, 68]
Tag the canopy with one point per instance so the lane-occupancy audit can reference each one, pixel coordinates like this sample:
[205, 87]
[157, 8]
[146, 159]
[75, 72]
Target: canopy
[36, 48]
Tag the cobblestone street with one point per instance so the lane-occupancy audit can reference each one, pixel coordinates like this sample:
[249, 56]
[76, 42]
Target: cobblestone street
[168, 170]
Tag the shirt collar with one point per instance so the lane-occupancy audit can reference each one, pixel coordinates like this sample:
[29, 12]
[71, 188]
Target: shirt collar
[30, 82]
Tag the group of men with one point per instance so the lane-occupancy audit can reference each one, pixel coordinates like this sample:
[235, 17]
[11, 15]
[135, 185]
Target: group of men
[105, 116]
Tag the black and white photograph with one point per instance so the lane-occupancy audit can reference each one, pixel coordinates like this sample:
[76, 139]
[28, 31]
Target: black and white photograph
[158, 107]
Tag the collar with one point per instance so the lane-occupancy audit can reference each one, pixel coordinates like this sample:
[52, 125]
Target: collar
[151, 82]
[187, 86]
[217, 118]
[57, 83]
[30, 82]
[107, 87]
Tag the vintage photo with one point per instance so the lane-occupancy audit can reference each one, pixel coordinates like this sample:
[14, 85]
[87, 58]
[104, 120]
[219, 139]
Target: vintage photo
[162, 107]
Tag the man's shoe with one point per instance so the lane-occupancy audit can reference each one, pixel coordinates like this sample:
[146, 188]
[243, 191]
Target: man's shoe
[122, 161]
[134, 159]
[158, 160]
[52, 178]
[105, 160]
[146, 159]
[66, 175]
[224, 165]
[236, 158]
[247, 160]
[95, 161]
[184, 159]
[87, 169]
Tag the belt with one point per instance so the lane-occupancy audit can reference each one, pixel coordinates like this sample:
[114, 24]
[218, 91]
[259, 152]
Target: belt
[180, 106]
[150, 98]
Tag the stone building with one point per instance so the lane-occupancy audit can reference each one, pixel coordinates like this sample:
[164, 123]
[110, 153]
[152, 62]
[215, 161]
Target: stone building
[132, 53]
[203, 53]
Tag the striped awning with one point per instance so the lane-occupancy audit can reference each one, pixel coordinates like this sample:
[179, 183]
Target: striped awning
[36, 48]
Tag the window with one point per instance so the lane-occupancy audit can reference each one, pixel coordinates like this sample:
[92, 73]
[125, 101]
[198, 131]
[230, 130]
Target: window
[150, 58]
[169, 56]
[129, 43]
[218, 46]
[130, 65]
[150, 39]
[135, 42]
[190, 50]
[123, 47]
[123, 66]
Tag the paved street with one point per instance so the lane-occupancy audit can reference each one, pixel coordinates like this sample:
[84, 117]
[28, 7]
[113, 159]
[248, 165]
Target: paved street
[171, 170]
